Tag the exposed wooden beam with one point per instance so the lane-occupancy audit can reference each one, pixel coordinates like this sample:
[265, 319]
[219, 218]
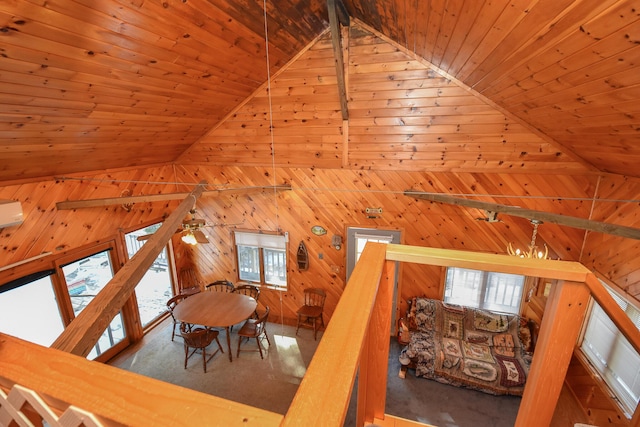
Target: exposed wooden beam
[341, 11]
[569, 221]
[338, 15]
[85, 330]
[92, 203]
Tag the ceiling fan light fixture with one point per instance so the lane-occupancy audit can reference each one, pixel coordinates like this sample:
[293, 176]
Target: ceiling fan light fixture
[189, 238]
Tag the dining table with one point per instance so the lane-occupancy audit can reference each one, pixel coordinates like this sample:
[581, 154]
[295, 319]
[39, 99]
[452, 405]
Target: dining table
[216, 310]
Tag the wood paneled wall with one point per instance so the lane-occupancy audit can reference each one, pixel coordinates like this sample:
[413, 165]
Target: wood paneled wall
[333, 199]
[411, 127]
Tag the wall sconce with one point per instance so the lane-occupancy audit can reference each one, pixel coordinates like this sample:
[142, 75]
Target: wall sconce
[336, 242]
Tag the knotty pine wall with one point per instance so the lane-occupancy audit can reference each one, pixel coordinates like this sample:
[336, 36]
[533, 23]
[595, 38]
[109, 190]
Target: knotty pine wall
[334, 199]
[410, 127]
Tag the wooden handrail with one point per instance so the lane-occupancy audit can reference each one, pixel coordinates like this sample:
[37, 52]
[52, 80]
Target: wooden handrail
[354, 342]
[323, 395]
[115, 396]
[562, 270]
[613, 310]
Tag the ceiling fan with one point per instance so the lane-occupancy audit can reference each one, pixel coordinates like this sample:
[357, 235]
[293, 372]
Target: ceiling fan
[191, 230]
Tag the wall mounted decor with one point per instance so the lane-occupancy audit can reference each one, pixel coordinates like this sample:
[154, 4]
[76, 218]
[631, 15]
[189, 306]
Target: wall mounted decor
[336, 242]
[318, 230]
[302, 257]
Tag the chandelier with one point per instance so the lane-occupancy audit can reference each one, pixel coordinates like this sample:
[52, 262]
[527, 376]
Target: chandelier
[532, 251]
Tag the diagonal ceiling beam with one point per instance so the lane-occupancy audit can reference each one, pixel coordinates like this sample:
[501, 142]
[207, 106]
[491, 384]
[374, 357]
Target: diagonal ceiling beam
[338, 15]
[85, 330]
[92, 203]
[569, 221]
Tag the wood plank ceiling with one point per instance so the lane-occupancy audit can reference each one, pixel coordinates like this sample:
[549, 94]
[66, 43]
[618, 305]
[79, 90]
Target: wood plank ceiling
[95, 85]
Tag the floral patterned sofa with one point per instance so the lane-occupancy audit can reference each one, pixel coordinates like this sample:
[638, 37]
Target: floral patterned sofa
[468, 347]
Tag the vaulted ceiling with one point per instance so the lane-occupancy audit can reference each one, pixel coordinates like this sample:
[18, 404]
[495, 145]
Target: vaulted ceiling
[104, 84]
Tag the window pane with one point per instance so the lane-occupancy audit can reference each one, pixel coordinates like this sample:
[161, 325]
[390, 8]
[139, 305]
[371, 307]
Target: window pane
[31, 312]
[155, 287]
[85, 278]
[484, 289]
[463, 287]
[262, 258]
[249, 263]
[275, 267]
[612, 355]
[503, 292]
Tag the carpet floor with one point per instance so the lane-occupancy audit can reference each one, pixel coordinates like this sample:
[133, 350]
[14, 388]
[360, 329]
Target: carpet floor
[271, 383]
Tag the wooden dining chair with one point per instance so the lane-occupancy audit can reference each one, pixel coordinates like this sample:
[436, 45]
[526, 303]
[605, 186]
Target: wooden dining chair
[198, 340]
[253, 328]
[311, 310]
[251, 291]
[220, 286]
[171, 304]
[188, 282]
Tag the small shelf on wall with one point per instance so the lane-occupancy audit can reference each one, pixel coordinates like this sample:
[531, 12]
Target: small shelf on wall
[302, 257]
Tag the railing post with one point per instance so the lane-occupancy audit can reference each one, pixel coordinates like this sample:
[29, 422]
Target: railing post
[323, 394]
[559, 331]
[374, 359]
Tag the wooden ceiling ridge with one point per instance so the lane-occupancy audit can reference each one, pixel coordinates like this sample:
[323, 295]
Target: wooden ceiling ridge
[92, 203]
[569, 221]
[338, 15]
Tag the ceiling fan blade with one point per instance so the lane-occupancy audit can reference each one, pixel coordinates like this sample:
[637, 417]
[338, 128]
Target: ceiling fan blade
[144, 237]
[200, 236]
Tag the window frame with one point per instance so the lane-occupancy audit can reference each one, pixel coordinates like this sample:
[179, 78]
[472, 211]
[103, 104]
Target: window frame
[264, 242]
[483, 291]
[603, 367]
[164, 261]
[110, 248]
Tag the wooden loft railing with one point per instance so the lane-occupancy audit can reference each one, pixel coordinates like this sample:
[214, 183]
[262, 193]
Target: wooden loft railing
[356, 340]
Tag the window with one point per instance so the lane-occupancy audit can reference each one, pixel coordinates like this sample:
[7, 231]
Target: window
[612, 355]
[357, 238]
[85, 278]
[484, 289]
[155, 288]
[262, 258]
[30, 310]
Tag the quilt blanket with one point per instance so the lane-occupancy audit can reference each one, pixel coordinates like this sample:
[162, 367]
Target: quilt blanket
[468, 347]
